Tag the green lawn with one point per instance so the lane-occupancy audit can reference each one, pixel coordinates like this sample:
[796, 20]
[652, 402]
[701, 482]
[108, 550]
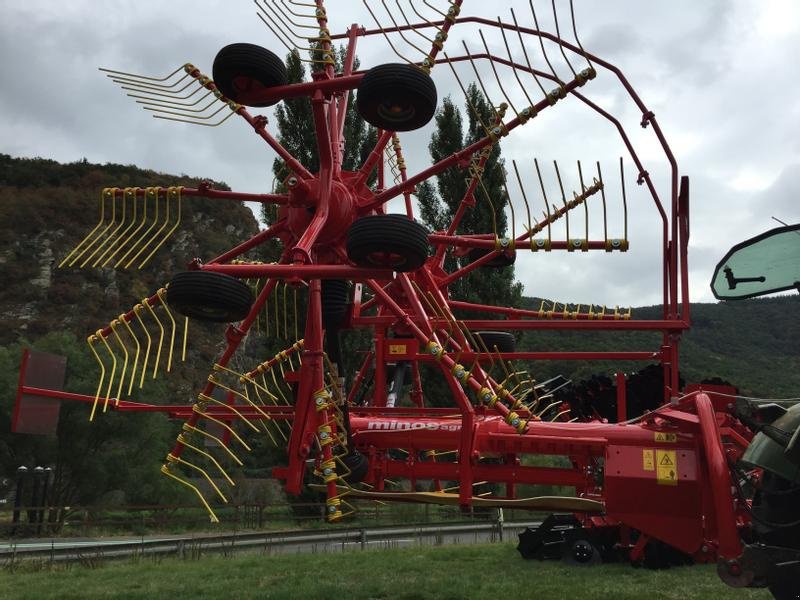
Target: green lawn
[493, 571]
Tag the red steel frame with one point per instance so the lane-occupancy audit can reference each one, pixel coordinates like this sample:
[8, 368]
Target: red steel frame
[696, 513]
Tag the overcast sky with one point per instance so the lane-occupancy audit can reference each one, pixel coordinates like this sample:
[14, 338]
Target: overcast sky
[721, 77]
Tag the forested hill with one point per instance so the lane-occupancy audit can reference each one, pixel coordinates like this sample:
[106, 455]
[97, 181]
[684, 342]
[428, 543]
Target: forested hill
[754, 344]
[46, 208]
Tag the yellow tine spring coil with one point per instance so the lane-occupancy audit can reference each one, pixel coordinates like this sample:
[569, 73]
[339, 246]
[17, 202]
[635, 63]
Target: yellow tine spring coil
[89, 341]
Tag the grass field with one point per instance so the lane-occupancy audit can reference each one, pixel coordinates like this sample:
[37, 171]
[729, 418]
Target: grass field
[478, 571]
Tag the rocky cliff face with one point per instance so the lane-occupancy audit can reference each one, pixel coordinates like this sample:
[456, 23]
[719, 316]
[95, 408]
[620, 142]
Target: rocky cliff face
[46, 208]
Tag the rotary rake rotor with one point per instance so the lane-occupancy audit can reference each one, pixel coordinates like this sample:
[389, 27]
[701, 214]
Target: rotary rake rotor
[347, 263]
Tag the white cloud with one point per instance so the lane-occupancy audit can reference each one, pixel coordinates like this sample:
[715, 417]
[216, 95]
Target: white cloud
[719, 77]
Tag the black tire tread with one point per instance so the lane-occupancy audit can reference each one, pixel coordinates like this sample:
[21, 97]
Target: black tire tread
[190, 291]
[505, 341]
[250, 60]
[393, 233]
[386, 80]
[334, 302]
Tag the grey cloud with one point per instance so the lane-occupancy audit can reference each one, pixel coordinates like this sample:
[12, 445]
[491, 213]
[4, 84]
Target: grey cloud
[724, 96]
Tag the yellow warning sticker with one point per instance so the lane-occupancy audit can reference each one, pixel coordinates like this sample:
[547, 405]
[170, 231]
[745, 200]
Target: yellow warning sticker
[666, 437]
[666, 467]
[397, 348]
[648, 462]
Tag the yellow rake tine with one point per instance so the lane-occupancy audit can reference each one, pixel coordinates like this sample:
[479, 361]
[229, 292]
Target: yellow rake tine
[202, 471]
[146, 234]
[115, 235]
[182, 439]
[112, 223]
[161, 293]
[165, 470]
[124, 238]
[211, 436]
[138, 349]
[114, 325]
[171, 193]
[225, 426]
[88, 236]
[185, 336]
[113, 367]
[89, 341]
[266, 419]
[136, 310]
[277, 386]
[147, 193]
[229, 407]
[160, 338]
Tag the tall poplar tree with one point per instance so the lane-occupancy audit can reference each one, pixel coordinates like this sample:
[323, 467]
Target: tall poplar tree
[438, 203]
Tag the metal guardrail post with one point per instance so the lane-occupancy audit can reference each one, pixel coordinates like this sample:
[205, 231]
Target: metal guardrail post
[22, 471]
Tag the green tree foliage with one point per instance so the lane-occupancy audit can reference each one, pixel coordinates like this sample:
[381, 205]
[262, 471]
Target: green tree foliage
[750, 343]
[46, 208]
[438, 204]
[113, 459]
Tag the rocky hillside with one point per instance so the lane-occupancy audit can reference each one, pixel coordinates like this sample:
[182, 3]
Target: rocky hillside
[46, 208]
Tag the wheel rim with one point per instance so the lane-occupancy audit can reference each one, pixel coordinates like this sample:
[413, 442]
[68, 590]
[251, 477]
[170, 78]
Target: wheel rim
[582, 551]
[244, 83]
[386, 259]
[396, 112]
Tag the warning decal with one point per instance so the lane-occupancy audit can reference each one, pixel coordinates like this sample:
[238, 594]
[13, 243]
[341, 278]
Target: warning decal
[666, 437]
[397, 349]
[648, 462]
[666, 467]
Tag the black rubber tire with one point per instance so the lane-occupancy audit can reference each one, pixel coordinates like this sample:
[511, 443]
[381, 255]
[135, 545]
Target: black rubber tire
[396, 97]
[357, 464]
[208, 296]
[392, 241]
[240, 68]
[334, 302]
[506, 259]
[503, 340]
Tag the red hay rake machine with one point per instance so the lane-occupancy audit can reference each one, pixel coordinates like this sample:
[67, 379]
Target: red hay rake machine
[678, 483]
